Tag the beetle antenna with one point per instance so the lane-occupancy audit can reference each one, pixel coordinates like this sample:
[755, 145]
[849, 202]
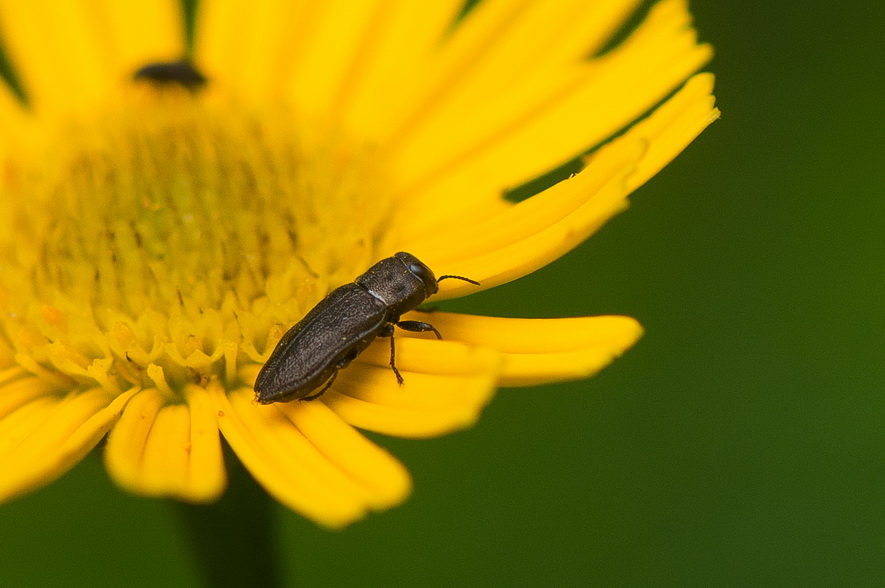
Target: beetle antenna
[446, 277]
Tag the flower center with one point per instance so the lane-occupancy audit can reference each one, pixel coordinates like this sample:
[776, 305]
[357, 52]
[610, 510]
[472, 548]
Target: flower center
[173, 239]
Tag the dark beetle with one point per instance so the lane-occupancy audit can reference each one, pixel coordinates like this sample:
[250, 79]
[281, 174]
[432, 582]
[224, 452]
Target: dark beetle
[181, 72]
[343, 324]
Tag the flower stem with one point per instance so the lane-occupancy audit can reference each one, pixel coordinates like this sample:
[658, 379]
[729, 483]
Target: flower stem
[233, 541]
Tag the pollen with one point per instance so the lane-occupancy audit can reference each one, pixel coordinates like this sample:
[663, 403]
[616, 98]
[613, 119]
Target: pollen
[173, 239]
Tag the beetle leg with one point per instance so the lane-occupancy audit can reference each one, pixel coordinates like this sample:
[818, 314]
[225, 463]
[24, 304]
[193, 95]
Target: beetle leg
[415, 326]
[399, 377]
[326, 387]
[418, 327]
[387, 331]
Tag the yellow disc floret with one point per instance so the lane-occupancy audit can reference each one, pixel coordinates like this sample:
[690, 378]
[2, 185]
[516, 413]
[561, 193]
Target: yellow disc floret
[172, 240]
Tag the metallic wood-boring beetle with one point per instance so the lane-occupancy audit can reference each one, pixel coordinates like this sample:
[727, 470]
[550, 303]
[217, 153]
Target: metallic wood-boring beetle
[181, 72]
[343, 324]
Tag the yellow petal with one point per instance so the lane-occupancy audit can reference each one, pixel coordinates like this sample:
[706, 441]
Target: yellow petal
[66, 60]
[446, 386]
[537, 351]
[18, 390]
[139, 33]
[304, 470]
[14, 122]
[162, 468]
[473, 146]
[49, 435]
[332, 53]
[160, 449]
[528, 236]
[371, 466]
[531, 234]
[399, 421]
[377, 90]
[66, 70]
[466, 392]
[125, 447]
[308, 51]
[499, 40]
[422, 353]
[250, 47]
[674, 126]
[206, 475]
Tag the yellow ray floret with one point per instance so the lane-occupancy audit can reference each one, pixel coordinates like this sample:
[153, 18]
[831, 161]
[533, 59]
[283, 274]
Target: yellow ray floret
[446, 386]
[305, 469]
[496, 45]
[86, 50]
[270, 37]
[14, 121]
[538, 351]
[161, 449]
[387, 481]
[470, 147]
[522, 239]
[528, 235]
[46, 436]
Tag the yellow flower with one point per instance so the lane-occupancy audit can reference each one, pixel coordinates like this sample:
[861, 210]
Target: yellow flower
[156, 241]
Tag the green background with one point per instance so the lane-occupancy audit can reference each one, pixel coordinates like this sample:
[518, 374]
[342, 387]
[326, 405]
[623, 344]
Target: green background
[738, 444]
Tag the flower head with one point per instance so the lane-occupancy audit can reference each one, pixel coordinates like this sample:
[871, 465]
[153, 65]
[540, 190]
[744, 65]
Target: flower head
[158, 235]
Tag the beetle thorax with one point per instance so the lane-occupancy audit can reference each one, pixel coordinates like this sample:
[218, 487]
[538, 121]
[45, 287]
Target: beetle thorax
[390, 281]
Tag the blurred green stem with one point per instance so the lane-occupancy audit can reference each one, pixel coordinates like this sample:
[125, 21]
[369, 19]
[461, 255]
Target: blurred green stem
[233, 541]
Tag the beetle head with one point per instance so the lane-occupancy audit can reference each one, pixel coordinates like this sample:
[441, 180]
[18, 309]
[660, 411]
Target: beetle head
[420, 271]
